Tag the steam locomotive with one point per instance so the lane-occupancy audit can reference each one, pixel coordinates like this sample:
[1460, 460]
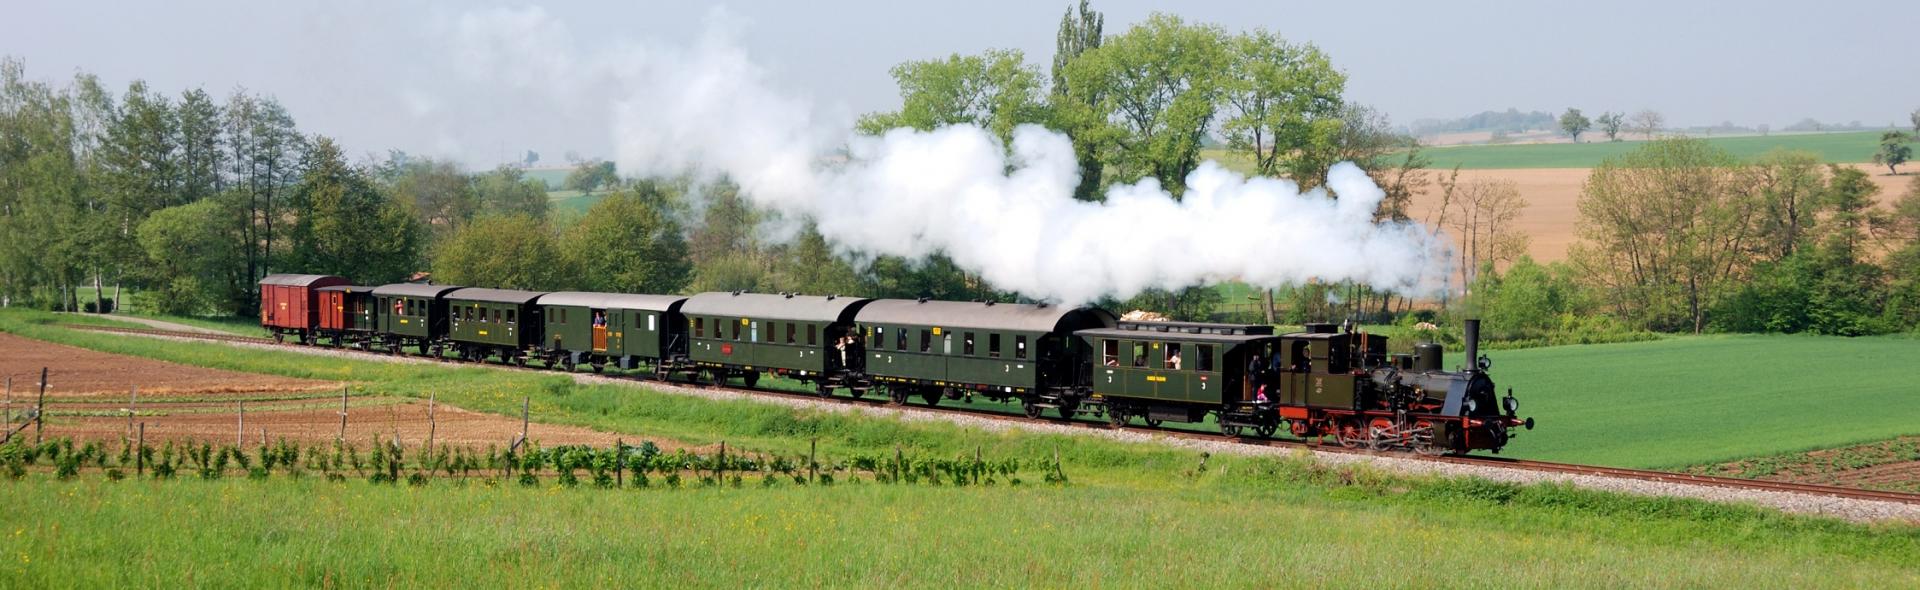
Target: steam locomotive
[1328, 383]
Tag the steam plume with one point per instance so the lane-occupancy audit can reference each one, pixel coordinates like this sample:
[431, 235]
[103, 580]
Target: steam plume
[1005, 212]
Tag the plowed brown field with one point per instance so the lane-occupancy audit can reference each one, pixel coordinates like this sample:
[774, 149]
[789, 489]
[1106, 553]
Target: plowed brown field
[1552, 216]
[87, 399]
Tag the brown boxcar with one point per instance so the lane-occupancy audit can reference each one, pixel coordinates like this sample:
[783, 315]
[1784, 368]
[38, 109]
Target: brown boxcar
[346, 313]
[289, 304]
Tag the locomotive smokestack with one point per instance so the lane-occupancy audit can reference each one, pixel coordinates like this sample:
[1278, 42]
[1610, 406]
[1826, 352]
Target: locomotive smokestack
[1473, 344]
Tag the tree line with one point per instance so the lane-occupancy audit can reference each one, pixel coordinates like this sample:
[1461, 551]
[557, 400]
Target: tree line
[1680, 236]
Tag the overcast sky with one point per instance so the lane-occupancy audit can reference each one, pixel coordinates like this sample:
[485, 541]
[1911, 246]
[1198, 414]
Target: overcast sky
[380, 75]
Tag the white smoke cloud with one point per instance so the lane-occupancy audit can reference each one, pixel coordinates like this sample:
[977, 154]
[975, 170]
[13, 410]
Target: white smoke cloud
[1005, 212]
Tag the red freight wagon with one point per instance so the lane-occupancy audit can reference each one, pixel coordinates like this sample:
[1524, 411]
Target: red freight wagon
[288, 303]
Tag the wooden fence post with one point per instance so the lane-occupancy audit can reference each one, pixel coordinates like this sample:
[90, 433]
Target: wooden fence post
[720, 466]
[40, 408]
[240, 430]
[619, 461]
[9, 422]
[813, 462]
[431, 425]
[343, 414]
[140, 452]
[526, 418]
[133, 402]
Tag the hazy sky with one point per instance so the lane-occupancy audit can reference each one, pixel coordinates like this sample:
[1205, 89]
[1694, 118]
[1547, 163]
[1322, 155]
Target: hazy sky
[380, 75]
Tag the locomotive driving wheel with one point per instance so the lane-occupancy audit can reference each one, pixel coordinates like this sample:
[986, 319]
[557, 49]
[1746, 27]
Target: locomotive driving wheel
[1350, 433]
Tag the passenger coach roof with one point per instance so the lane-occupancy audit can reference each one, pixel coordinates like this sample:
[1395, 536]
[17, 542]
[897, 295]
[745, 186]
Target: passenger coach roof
[613, 300]
[495, 295]
[1017, 317]
[811, 308]
[298, 280]
[1172, 336]
[412, 290]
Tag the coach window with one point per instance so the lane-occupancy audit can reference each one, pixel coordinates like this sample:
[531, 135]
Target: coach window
[1019, 347]
[966, 346]
[900, 339]
[790, 332]
[993, 345]
[699, 327]
[879, 338]
[1173, 357]
[813, 334]
[563, 316]
[1203, 359]
[510, 318]
[736, 330]
[1110, 353]
[926, 341]
[1139, 355]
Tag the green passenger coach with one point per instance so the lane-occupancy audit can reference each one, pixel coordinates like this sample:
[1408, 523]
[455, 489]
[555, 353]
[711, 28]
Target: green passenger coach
[806, 337]
[411, 314]
[1181, 371]
[621, 330]
[1001, 351]
[493, 322]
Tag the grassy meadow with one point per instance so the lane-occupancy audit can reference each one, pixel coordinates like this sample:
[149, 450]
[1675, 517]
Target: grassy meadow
[1690, 400]
[1839, 148]
[1254, 527]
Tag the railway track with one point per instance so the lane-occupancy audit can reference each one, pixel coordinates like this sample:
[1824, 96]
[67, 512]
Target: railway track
[1502, 462]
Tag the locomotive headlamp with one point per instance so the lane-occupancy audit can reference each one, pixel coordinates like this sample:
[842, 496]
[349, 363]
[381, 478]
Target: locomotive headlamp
[1485, 363]
[1512, 404]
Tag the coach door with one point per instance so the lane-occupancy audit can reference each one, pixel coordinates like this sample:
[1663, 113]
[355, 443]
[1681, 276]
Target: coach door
[600, 330]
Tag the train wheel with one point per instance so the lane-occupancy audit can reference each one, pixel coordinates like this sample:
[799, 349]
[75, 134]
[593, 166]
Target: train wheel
[897, 395]
[1350, 434]
[1068, 407]
[931, 396]
[858, 392]
[1154, 422]
[751, 378]
[598, 367]
[279, 338]
[1265, 430]
[1116, 417]
[1230, 430]
[1033, 410]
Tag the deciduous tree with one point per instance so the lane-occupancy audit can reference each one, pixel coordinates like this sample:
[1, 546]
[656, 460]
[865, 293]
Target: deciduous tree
[502, 251]
[1648, 122]
[1788, 186]
[1574, 123]
[1157, 87]
[1282, 100]
[1074, 112]
[628, 243]
[1665, 232]
[507, 190]
[1611, 123]
[1894, 150]
[995, 90]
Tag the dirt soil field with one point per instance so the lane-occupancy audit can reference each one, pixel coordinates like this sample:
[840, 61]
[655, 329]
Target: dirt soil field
[81, 373]
[1552, 217]
[1884, 465]
[87, 400]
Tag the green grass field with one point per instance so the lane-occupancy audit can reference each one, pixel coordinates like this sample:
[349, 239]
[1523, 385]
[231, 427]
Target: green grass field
[1225, 531]
[1691, 400]
[1841, 148]
[1135, 515]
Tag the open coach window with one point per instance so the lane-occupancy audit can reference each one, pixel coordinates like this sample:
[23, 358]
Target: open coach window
[1110, 353]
